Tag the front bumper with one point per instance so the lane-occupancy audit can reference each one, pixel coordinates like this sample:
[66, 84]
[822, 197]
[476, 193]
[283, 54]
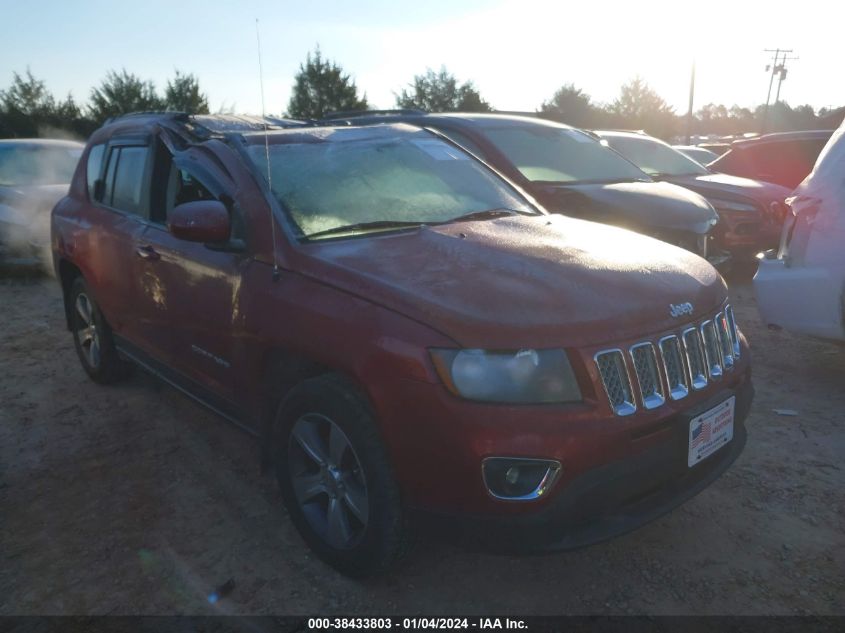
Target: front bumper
[744, 237]
[619, 496]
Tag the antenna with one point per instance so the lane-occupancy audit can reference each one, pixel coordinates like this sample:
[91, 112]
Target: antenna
[267, 153]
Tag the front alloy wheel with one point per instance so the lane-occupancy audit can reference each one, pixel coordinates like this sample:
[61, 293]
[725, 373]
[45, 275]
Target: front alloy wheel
[328, 481]
[336, 478]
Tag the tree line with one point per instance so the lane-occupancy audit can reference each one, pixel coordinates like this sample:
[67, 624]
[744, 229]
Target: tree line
[28, 109]
[321, 87]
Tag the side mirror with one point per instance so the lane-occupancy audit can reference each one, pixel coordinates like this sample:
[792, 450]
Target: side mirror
[200, 221]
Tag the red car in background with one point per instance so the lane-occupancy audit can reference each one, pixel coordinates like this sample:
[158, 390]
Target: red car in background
[402, 330]
[784, 158]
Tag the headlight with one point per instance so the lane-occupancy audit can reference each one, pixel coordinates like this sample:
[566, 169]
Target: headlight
[524, 376]
[731, 205]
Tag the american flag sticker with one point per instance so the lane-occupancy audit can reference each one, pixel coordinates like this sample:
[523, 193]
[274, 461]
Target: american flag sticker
[700, 433]
[710, 431]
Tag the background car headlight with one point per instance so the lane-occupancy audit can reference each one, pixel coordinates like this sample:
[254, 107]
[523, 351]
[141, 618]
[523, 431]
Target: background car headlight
[731, 205]
[523, 376]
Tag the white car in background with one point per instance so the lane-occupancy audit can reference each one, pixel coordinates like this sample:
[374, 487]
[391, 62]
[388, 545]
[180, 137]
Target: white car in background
[34, 175]
[700, 155]
[802, 287]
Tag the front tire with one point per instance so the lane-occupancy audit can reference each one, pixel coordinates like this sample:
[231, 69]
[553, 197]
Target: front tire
[92, 337]
[336, 479]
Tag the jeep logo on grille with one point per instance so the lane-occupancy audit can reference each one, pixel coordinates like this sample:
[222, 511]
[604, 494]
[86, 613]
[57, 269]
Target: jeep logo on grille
[679, 309]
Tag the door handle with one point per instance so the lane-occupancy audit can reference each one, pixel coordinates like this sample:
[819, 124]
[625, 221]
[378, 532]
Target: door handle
[147, 252]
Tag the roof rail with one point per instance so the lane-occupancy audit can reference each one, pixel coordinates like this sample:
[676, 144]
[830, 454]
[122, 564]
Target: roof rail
[172, 114]
[348, 114]
[536, 115]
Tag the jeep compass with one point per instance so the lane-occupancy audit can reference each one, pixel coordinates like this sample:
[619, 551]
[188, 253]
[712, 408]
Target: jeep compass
[404, 331]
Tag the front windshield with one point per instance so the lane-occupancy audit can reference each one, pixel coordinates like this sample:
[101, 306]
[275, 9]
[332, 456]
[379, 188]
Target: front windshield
[552, 154]
[29, 165]
[410, 178]
[655, 158]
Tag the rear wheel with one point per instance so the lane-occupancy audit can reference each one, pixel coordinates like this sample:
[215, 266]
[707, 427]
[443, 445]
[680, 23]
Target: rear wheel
[92, 337]
[336, 480]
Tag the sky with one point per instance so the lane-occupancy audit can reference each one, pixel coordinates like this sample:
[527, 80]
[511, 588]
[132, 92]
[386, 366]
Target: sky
[516, 53]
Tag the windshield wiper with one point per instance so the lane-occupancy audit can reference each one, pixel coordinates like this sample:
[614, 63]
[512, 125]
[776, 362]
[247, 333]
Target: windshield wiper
[488, 214]
[399, 224]
[367, 226]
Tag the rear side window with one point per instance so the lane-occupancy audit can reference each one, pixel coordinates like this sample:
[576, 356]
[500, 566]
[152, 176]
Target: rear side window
[95, 166]
[129, 179]
[123, 186]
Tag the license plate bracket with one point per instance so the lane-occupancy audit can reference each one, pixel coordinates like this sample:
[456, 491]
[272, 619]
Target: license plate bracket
[710, 431]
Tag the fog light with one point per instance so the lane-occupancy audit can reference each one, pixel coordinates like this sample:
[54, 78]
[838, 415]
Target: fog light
[516, 479]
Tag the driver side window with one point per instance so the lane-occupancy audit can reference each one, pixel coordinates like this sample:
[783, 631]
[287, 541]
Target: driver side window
[182, 187]
[173, 185]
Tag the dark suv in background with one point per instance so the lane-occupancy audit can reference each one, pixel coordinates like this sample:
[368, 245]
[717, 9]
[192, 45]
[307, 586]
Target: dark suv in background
[751, 212]
[402, 330]
[569, 172]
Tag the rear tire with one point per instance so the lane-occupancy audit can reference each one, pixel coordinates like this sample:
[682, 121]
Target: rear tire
[336, 479]
[93, 338]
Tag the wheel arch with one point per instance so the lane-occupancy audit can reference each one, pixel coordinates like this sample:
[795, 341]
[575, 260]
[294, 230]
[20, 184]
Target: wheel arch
[68, 273]
[282, 371]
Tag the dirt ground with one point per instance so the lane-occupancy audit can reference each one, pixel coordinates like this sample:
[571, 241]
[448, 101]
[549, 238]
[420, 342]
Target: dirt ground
[134, 500]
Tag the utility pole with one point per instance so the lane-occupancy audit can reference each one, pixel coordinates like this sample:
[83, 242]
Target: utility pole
[782, 74]
[779, 68]
[691, 97]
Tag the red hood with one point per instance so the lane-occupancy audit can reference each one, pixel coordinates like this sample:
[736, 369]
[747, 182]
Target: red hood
[522, 281]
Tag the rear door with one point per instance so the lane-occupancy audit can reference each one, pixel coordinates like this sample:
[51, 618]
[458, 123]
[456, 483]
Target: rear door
[117, 175]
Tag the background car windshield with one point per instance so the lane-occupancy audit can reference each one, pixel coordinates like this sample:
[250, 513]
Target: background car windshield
[327, 185]
[550, 154]
[655, 158]
[21, 166]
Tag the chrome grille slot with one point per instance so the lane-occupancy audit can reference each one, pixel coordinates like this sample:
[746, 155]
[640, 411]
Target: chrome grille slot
[729, 313]
[673, 365]
[648, 375]
[617, 383]
[695, 358]
[725, 342]
[712, 351]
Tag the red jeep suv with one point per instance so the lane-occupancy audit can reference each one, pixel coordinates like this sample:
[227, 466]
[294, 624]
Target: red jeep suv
[402, 329]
